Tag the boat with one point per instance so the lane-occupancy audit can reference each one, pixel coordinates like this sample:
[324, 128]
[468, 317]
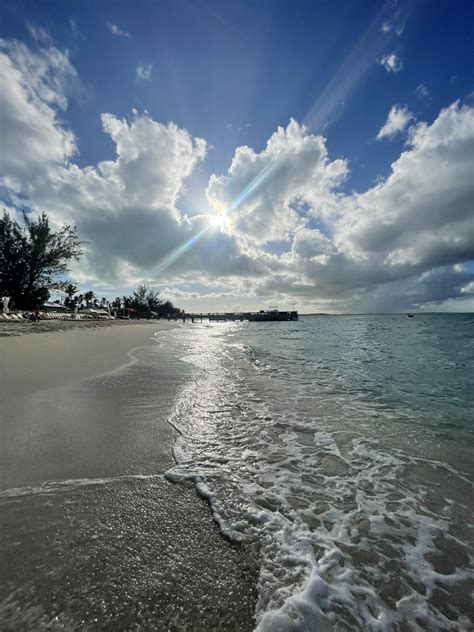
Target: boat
[410, 315]
[273, 314]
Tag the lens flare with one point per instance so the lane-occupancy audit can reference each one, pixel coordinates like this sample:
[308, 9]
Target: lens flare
[178, 252]
[218, 221]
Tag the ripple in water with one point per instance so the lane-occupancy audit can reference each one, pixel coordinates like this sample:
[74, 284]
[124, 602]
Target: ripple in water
[340, 448]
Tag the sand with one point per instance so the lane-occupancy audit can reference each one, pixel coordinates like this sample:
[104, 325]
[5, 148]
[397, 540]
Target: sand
[93, 536]
[77, 350]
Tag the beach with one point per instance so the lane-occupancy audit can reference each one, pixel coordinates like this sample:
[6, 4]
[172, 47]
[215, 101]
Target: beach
[277, 477]
[342, 445]
[93, 535]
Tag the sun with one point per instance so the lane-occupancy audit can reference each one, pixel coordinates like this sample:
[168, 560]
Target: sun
[218, 221]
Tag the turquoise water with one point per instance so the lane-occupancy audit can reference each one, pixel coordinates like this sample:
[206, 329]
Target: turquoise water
[341, 449]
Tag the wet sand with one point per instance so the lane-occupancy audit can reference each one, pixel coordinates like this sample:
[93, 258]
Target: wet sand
[93, 536]
[78, 350]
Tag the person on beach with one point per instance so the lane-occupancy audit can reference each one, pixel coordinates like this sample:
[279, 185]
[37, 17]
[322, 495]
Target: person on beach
[37, 313]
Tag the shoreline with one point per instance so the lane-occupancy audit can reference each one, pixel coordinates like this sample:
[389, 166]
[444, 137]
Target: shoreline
[96, 428]
[61, 352]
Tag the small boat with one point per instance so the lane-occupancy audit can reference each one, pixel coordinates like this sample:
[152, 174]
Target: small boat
[410, 315]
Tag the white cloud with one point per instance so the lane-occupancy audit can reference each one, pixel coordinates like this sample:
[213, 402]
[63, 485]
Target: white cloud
[394, 246]
[422, 91]
[39, 34]
[399, 244]
[469, 288]
[113, 28]
[386, 27]
[75, 31]
[422, 214]
[34, 86]
[144, 71]
[125, 208]
[397, 120]
[293, 172]
[392, 63]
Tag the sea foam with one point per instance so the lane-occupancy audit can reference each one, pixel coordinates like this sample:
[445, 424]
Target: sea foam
[324, 483]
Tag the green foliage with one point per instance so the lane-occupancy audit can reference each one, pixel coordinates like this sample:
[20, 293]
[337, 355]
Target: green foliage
[143, 303]
[89, 297]
[146, 303]
[69, 289]
[32, 255]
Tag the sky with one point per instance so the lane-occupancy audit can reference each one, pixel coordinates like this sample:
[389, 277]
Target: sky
[235, 155]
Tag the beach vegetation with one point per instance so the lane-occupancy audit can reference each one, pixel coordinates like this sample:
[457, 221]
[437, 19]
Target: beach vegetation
[33, 256]
[89, 297]
[68, 289]
[145, 303]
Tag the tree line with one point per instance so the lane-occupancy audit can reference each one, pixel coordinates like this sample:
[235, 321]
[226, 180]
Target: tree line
[33, 258]
[142, 303]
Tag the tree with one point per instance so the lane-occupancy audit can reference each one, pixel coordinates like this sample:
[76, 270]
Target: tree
[69, 289]
[138, 300]
[145, 302]
[32, 256]
[89, 297]
[154, 301]
[169, 308]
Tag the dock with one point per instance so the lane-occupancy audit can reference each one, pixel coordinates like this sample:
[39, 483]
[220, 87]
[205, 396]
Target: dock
[261, 316]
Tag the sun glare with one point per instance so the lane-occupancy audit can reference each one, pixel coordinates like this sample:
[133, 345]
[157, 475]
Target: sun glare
[218, 221]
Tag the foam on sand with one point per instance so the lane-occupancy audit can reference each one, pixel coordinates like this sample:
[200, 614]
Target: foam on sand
[354, 529]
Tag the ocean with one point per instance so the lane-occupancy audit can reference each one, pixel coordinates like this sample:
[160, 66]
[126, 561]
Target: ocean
[335, 453]
[340, 449]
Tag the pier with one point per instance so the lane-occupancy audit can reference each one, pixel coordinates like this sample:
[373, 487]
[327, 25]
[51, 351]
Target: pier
[261, 316]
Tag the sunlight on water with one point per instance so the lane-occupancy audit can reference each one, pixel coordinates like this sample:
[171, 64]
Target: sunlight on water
[340, 447]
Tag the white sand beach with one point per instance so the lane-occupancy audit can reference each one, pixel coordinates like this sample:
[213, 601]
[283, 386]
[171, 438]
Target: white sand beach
[45, 354]
[106, 542]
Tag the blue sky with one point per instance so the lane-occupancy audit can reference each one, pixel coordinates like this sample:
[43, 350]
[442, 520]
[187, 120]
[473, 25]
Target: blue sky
[231, 74]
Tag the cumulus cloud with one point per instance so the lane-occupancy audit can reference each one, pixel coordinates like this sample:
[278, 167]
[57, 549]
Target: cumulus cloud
[397, 120]
[469, 288]
[398, 245]
[422, 214]
[144, 71]
[267, 191]
[389, 246]
[34, 87]
[392, 63]
[115, 30]
[126, 208]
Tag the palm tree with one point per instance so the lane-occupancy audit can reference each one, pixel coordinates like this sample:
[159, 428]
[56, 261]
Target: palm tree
[126, 300]
[69, 289]
[89, 297]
